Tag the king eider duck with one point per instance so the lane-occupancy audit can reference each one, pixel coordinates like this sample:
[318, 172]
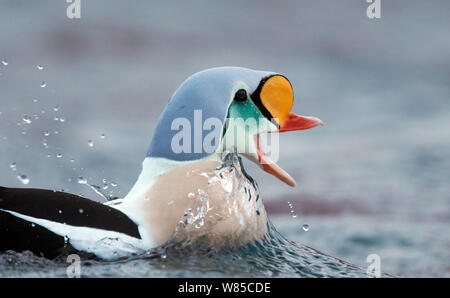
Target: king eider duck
[46, 222]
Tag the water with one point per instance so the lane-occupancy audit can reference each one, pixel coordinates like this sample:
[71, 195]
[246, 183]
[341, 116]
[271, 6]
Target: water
[186, 254]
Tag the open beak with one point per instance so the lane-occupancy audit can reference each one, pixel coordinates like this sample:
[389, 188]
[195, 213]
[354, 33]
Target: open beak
[293, 122]
[277, 96]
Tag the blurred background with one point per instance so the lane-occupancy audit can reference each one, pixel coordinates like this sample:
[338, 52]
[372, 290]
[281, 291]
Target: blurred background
[80, 98]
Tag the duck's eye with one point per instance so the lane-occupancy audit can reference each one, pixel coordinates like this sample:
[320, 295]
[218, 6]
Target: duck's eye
[240, 95]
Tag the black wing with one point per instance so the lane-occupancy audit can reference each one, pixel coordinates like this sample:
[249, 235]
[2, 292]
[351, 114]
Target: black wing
[19, 235]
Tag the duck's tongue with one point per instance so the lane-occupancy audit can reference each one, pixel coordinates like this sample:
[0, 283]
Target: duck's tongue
[293, 122]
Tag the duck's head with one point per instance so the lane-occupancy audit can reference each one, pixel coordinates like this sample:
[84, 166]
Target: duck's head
[227, 108]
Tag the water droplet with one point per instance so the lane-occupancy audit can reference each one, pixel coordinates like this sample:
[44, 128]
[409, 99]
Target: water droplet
[72, 160]
[56, 108]
[305, 227]
[40, 67]
[191, 195]
[198, 224]
[102, 136]
[56, 118]
[90, 143]
[43, 84]
[26, 119]
[13, 165]
[35, 100]
[82, 180]
[59, 155]
[113, 184]
[46, 133]
[60, 211]
[33, 225]
[80, 211]
[5, 62]
[62, 119]
[24, 179]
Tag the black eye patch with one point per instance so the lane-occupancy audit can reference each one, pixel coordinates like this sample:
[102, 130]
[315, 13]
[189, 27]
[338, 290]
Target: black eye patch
[240, 95]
